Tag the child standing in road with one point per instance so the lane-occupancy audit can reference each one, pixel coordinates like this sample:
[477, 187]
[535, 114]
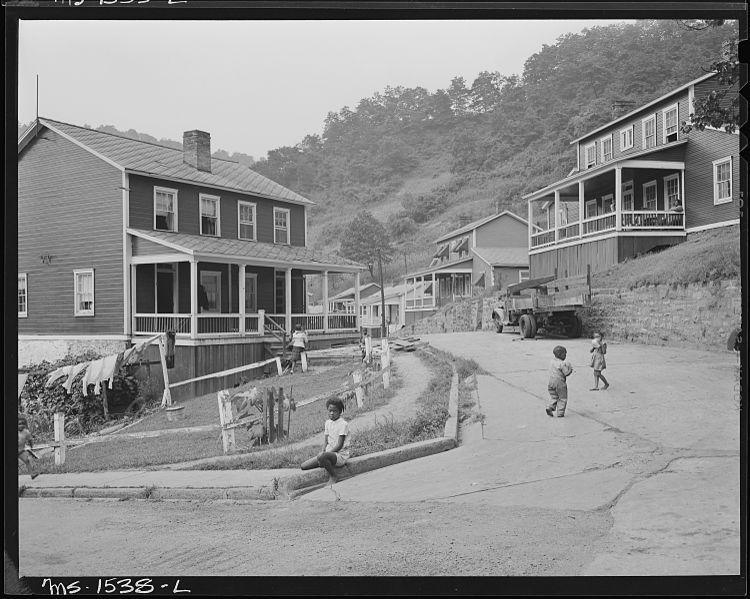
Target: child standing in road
[335, 441]
[24, 437]
[598, 363]
[559, 370]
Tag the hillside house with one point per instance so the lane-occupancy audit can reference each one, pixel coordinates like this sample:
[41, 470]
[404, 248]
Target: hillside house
[394, 298]
[119, 239]
[489, 253]
[640, 185]
[344, 302]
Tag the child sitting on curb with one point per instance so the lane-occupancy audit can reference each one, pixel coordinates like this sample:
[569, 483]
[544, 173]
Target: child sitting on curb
[335, 441]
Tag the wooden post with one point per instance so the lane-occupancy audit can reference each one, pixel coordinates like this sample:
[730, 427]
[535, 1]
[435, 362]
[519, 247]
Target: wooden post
[385, 362]
[303, 357]
[368, 349]
[265, 422]
[105, 403]
[357, 376]
[271, 427]
[280, 408]
[225, 417]
[278, 365]
[166, 399]
[59, 438]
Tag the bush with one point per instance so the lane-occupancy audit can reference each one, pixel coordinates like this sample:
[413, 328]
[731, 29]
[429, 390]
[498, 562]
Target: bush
[85, 409]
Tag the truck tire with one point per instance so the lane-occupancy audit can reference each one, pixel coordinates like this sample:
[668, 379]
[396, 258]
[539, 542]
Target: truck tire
[527, 326]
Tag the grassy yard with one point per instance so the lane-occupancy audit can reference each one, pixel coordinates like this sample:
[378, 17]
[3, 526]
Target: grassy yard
[704, 257]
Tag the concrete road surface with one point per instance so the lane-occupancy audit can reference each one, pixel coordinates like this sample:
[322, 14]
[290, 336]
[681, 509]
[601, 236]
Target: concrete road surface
[658, 452]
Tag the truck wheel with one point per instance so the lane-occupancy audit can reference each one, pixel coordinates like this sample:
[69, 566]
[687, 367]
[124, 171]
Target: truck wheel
[527, 325]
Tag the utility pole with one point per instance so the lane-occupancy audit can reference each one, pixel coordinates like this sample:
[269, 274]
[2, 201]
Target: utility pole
[383, 329]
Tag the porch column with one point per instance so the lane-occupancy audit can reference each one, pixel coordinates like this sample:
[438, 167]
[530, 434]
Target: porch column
[288, 293]
[434, 291]
[531, 221]
[132, 299]
[682, 197]
[325, 301]
[193, 298]
[241, 298]
[581, 207]
[618, 198]
[557, 215]
[357, 317]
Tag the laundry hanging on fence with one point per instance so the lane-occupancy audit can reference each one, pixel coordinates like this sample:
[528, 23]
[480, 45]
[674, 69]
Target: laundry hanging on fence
[100, 370]
[69, 372]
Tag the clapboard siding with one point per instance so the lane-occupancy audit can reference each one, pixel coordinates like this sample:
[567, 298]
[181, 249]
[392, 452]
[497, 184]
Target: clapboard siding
[188, 210]
[505, 231]
[144, 247]
[69, 207]
[573, 260]
[705, 147]
[683, 111]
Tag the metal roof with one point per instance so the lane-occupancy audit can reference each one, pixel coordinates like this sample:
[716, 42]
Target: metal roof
[478, 223]
[271, 254]
[155, 160]
[461, 265]
[510, 256]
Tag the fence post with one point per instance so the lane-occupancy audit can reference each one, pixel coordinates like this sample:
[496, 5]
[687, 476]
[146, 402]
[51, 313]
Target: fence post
[225, 417]
[357, 376]
[303, 357]
[271, 426]
[385, 362]
[261, 322]
[105, 403]
[368, 349]
[166, 399]
[280, 423]
[59, 438]
[278, 366]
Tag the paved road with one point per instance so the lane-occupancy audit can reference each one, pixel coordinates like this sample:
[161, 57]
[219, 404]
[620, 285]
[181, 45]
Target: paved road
[658, 451]
[642, 479]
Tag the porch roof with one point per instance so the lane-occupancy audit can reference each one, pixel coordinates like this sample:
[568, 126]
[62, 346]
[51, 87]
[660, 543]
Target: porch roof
[457, 266]
[511, 256]
[205, 248]
[609, 166]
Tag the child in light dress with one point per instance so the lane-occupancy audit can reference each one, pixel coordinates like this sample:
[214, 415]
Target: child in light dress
[335, 441]
[559, 370]
[25, 438]
[598, 363]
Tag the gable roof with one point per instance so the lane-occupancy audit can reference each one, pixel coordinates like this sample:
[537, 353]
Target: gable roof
[154, 160]
[370, 288]
[256, 251]
[478, 223]
[495, 256]
[389, 293]
[644, 106]
[461, 265]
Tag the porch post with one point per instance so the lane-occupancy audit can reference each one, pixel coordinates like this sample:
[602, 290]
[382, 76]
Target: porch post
[288, 293]
[618, 198]
[241, 298]
[557, 215]
[357, 316]
[581, 206]
[434, 291]
[325, 301]
[531, 221]
[193, 298]
[682, 197]
[132, 299]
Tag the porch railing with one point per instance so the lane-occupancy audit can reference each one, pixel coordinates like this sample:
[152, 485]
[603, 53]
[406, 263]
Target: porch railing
[159, 323]
[543, 238]
[604, 222]
[569, 231]
[652, 219]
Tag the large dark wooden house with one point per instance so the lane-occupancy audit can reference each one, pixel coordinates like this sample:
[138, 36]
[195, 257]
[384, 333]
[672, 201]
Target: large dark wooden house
[640, 184]
[119, 239]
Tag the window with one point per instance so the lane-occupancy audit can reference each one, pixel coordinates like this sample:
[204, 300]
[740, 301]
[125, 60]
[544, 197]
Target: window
[165, 209]
[723, 180]
[672, 191]
[608, 203]
[606, 145]
[649, 132]
[251, 293]
[626, 138]
[523, 275]
[649, 195]
[591, 208]
[83, 292]
[246, 221]
[627, 196]
[23, 307]
[210, 215]
[210, 280]
[281, 225]
[590, 151]
[670, 124]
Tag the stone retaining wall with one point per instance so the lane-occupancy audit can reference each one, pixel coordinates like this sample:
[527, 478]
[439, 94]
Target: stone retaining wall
[695, 315]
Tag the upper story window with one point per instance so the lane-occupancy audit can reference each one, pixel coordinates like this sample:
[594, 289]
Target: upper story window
[281, 225]
[83, 292]
[670, 123]
[628, 198]
[649, 132]
[246, 221]
[649, 195]
[23, 306]
[723, 180]
[210, 215]
[606, 147]
[165, 209]
[590, 155]
[672, 191]
[626, 138]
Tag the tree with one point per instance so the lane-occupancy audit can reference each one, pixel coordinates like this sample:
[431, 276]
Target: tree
[365, 239]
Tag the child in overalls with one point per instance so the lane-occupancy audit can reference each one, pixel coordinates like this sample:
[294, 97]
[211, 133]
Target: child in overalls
[559, 370]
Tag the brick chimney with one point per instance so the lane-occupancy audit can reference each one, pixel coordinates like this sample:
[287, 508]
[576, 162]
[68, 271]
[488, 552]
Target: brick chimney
[196, 149]
[620, 107]
[463, 220]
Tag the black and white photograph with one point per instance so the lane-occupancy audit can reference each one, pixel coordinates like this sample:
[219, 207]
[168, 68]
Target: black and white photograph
[322, 300]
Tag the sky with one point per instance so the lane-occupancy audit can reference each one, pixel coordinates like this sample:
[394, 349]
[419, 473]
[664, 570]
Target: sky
[253, 85]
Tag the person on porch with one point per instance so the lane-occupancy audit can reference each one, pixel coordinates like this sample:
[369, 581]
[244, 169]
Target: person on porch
[203, 304]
